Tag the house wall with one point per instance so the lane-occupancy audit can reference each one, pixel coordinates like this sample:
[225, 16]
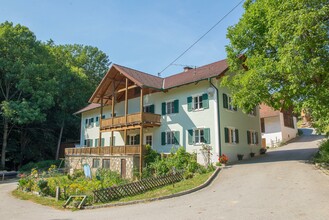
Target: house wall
[272, 132]
[241, 121]
[287, 132]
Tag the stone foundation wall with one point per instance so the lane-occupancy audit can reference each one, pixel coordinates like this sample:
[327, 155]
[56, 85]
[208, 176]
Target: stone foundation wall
[76, 163]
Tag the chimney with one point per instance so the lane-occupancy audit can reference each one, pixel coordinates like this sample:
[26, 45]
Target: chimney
[187, 68]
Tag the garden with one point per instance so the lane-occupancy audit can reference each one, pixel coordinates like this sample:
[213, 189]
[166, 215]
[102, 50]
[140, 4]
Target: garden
[178, 171]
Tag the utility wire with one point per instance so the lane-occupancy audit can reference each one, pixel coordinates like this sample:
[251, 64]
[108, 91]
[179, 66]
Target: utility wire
[202, 36]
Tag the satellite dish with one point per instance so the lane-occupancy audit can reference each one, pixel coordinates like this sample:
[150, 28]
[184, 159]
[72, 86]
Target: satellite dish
[211, 91]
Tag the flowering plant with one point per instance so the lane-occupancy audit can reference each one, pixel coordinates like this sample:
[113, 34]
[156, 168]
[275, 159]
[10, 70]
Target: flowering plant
[223, 159]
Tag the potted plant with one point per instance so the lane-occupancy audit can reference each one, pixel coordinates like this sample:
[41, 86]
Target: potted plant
[240, 156]
[262, 150]
[252, 154]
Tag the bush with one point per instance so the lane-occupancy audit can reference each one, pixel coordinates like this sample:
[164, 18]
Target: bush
[223, 159]
[150, 155]
[322, 155]
[41, 165]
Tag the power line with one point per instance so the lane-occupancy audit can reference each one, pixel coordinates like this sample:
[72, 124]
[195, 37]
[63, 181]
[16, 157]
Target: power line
[202, 36]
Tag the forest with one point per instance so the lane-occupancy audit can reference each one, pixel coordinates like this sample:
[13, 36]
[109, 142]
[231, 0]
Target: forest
[41, 85]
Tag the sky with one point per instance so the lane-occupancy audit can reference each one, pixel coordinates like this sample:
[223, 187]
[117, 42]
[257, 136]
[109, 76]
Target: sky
[145, 35]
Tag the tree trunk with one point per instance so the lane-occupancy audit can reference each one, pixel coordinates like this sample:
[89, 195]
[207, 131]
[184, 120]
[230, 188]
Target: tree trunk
[4, 143]
[59, 140]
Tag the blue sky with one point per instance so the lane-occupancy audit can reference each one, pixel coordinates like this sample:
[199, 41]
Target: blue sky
[145, 35]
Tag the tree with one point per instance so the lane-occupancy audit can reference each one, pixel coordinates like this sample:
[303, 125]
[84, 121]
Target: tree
[27, 86]
[285, 47]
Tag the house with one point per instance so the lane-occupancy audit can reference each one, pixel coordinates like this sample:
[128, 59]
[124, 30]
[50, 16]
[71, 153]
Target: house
[277, 126]
[130, 109]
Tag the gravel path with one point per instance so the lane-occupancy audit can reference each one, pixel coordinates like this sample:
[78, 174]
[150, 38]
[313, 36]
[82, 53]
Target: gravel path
[279, 185]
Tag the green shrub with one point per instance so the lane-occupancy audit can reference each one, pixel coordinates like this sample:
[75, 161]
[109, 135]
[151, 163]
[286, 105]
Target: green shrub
[41, 165]
[150, 155]
[323, 154]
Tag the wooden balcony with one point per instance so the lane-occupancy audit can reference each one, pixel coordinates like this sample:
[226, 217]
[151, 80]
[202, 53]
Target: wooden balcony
[109, 150]
[117, 123]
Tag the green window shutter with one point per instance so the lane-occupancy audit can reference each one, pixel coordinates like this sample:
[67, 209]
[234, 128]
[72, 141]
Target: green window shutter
[256, 137]
[207, 135]
[86, 122]
[85, 143]
[163, 108]
[236, 136]
[137, 139]
[190, 136]
[102, 142]
[176, 106]
[189, 103]
[205, 101]
[113, 140]
[96, 142]
[91, 143]
[248, 137]
[163, 138]
[225, 101]
[227, 137]
[176, 134]
[127, 141]
[152, 109]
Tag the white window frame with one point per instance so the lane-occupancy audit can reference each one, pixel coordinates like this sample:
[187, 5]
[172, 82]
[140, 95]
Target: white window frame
[148, 107]
[197, 102]
[148, 135]
[199, 136]
[89, 123]
[231, 135]
[253, 138]
[229, 103]
[132, 139]
[170, 137]
[172, 109]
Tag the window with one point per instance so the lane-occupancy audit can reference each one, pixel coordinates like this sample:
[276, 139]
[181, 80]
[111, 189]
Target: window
[96, 142]
[253, 111]
[288, 120]
[252, 137]
[227, 103]
[89, 142]
[231, 135]
[262, 125]
[199, 136]
[113, 141]
[148, 108]
[97, 121]
[148, 140]
[170, 107]
[133, 139]
[102, 142]
[96, 163]
[197, 102]
[103, 116]
[170, 137]
[89, 122]
[106, 163]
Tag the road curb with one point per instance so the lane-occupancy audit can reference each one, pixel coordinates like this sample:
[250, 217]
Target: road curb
[205, 184]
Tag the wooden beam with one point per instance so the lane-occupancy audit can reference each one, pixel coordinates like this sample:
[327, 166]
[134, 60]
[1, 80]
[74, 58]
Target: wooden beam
[126, 100]
[141, 135]
[100, 125]
[124, 89]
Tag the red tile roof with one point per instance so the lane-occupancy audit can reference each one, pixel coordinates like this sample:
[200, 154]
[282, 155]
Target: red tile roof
[88, 107]
[267, 111]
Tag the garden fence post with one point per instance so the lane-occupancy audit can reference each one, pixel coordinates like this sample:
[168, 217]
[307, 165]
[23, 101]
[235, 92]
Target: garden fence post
[58, 192]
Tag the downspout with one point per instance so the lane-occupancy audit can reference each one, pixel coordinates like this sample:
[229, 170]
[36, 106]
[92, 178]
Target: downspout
[218, 116]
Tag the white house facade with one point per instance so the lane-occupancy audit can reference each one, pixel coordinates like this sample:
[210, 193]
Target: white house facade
[277, 127]
[188, 109]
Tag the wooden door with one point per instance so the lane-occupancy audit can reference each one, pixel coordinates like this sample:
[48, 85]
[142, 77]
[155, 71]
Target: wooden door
[123, 168]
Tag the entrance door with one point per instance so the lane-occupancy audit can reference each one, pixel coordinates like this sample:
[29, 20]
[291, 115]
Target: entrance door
[123, 168]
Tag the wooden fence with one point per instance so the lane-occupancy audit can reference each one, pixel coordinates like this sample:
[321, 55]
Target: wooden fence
[130, 189]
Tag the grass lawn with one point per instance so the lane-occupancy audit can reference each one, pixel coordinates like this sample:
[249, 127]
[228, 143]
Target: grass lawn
[183, 185]
[48, 201]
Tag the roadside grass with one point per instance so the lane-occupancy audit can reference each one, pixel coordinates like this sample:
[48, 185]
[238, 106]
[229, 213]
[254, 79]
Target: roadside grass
[47, 201]
[181, 186]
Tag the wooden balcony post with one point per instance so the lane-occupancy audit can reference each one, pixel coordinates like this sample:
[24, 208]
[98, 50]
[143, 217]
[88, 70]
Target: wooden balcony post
[125, 139]
[126, 101]
[113, 104]
[141, 135]
[100, 124]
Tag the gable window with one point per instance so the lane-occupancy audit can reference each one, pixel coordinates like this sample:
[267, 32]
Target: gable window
[231, 135]
[89, 122]
[252, 137]
[170, 107]
[170, 137]
[148, 108]
[199, 136]
[227, 103]
[197, 102]
[97, 121]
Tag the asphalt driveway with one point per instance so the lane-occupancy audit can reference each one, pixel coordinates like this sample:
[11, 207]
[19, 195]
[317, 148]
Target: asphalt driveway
[279, 185]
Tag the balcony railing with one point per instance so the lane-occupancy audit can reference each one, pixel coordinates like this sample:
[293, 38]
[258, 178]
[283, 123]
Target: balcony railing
[109, 150]
[132, 119]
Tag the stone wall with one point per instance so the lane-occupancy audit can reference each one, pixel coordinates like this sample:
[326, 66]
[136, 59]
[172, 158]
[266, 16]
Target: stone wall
[76, 163]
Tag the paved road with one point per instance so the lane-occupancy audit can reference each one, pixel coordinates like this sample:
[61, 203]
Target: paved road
[279, 185]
